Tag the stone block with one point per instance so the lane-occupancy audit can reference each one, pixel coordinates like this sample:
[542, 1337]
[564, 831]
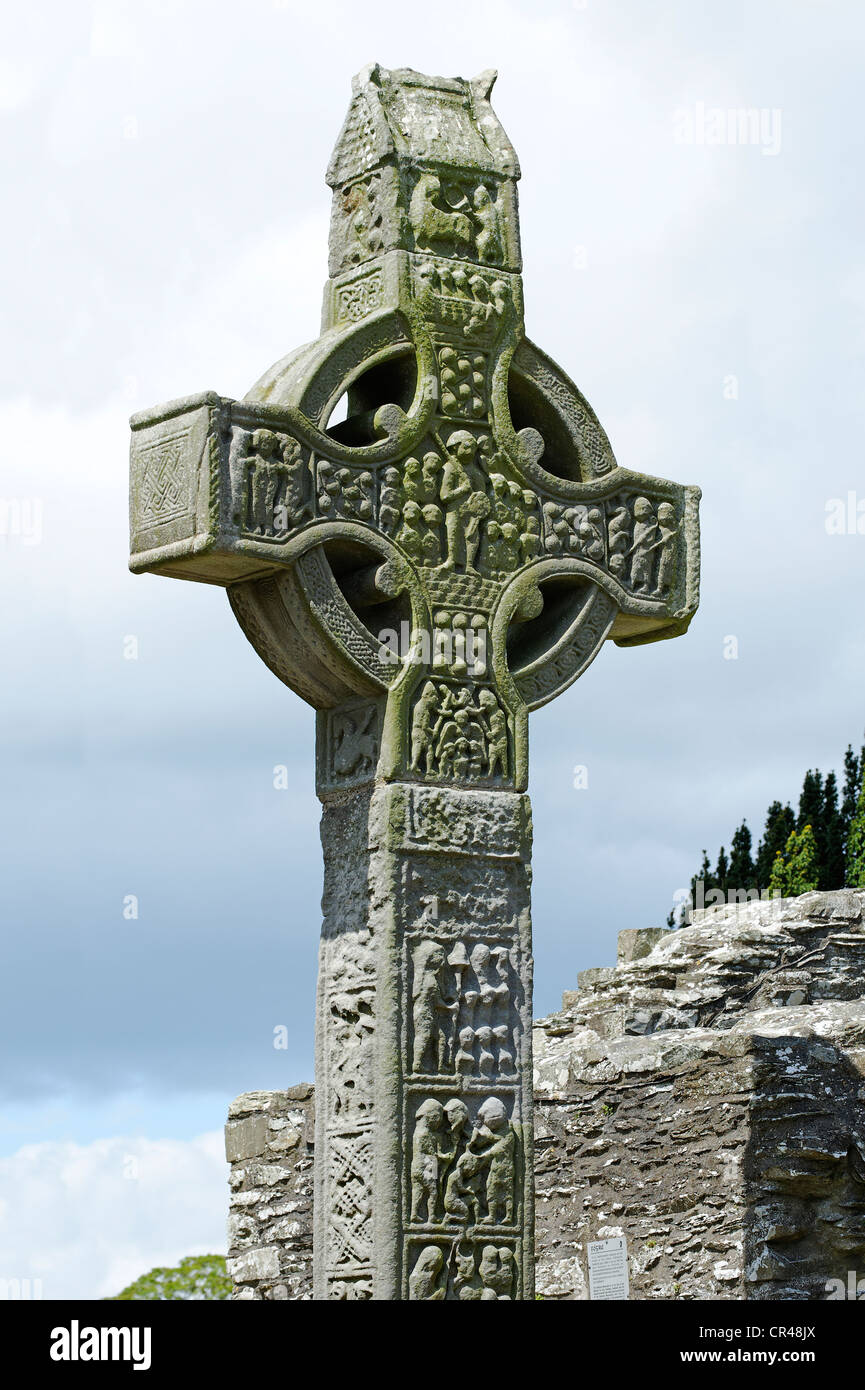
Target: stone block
[635, 943]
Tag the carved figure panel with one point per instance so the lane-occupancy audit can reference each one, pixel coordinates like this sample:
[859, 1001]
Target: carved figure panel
[464, 1020]
[454, 216]
[464, 1270]
[271, 485]
[635, 538]
[463, 1163]
[349, 743]
[459, 733]
[461, 296]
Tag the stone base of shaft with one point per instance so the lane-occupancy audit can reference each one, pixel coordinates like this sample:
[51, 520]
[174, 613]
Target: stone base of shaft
[423, 1186]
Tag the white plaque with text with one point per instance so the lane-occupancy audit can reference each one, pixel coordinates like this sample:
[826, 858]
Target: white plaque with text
[608, 1268]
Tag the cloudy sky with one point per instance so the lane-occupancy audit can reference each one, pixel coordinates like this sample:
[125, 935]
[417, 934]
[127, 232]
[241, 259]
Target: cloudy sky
[166, 232]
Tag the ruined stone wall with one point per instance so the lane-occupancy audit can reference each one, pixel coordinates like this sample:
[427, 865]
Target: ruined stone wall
[705, 1098]
[269, 1144]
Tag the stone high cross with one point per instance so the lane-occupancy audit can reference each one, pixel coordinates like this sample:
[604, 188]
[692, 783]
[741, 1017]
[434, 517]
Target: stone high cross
[449, 556]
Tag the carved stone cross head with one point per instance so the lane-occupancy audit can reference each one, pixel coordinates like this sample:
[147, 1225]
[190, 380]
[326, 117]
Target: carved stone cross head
[454, 551]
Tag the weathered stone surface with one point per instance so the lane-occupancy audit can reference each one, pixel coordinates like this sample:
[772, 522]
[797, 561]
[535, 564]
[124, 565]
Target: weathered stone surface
[270, 1220]
[423, 1036]
[449, 557]
[732, 1154]
[692, 1102]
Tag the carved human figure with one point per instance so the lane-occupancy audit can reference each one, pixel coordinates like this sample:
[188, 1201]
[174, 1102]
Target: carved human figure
[425, 1159]
[295, 503]
[488, 240]
[465, 1057]
[643, 545]
[430, 542]
[409, 535]
[496, 727]
[423, 1280]
[499, 1141]
[464, 499]
[530, 540]
[558, 532]
[390, 501]
[412, 480]
[463, 1188]
[591, 536]
[510, 547]
[430, 477]
[329, 487]
[430, 1009]
[481, 963]
[355, 493]
[452, 748]
[265, 475]
[486, 1056]
[422, 730]
[668, 544]
[619, 536]
[496, 1269]
[502, 1035]
[457, 1129]
[494, 557]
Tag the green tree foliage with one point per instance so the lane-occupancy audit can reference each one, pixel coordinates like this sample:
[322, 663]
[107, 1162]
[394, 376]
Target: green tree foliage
[742, 873]
[856, 843]
[821, 845]
[200, 1278]
[852, 785]
[722, 871]
[780, 822]
[797, 869]
[832, 859]
[811, 800]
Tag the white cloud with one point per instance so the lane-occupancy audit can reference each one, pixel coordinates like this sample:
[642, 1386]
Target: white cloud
[86, 1220]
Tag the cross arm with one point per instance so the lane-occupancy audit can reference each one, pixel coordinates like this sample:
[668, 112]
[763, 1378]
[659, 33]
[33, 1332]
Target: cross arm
[225, 491]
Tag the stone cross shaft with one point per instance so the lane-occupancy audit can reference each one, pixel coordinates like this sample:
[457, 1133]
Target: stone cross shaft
[424, 569]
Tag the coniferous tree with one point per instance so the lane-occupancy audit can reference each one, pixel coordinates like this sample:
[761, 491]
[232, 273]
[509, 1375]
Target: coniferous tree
[829, 855]
[780, 822]
[852, 782]
[796, 870]
[832, 867]
[855, 874]
[722, 872]
[804, 864]
[779, 876]
[810, 799]
[853, 770]
[741, 873]
[704, 877]
[811, 812]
